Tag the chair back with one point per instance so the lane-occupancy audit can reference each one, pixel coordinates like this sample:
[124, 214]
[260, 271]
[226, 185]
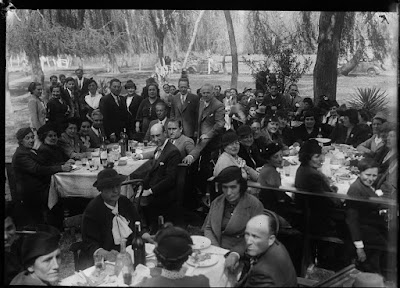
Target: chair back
[73, 224]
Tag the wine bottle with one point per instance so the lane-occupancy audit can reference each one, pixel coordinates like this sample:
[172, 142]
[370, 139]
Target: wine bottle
[138, 247]
[123, 262]
[160, 222]
[122, 147]
[103, 152]
[126, 140]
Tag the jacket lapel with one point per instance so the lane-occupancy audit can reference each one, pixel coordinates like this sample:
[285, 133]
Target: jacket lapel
[187, 102]
[216, 220]
[239, 217]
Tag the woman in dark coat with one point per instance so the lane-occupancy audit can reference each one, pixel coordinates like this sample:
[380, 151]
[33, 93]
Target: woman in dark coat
[309, 129]
[367, 227]
[147, 108]
[57, 109]
[350, 132]
[32, 177]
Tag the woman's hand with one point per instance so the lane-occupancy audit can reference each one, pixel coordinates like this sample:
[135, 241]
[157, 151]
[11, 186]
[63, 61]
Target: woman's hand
[361, 254]
[70, 161]
[66, 167]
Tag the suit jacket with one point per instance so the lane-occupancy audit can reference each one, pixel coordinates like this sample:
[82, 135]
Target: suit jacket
[187, 113]
[273, 268]
[26, 278]
[371, 145]
[184, 144]
[162, 176]
[232, 237]
[211, 123]
[56, 113]
[147, 135]
[114, 117]
[252, 156]
[278, 102]
[85, 87]
[71, 147]
[357, 136]
[97, 225]
[132, 110]
[51, 155]
[94, 139]
[74, 102]
[291, 102]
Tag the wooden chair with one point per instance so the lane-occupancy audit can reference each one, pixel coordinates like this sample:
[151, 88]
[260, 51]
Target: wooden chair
[73, 224]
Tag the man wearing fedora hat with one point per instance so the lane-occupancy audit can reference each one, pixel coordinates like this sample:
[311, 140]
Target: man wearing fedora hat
[40, 255]
[107, 219]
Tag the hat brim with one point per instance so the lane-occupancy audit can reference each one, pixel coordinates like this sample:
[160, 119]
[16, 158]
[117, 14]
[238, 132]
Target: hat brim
[110, 182]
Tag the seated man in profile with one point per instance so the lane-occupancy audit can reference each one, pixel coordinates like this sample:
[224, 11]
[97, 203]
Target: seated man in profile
[266, 261]
[96, 131]
[184, 144]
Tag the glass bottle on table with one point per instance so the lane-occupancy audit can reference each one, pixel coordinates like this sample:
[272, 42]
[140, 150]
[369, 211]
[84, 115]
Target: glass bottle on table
[138, 247]
[123, 263]
[103, 152]
[122, 147]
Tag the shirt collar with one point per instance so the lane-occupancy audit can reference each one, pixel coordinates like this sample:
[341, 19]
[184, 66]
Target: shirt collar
[162, 121]
[173, 274]
[163, 146]
[206, 104]
[111, 207]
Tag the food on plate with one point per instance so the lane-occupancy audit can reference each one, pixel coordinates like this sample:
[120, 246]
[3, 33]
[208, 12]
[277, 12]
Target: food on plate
[198, 257]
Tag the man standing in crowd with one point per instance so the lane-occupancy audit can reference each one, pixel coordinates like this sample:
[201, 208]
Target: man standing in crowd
[185, 107]
[294, 102]
[266, 262]
[259, 100]
[81, 83]
[184, 144]
[114, 111]
[210, 125]
[161, 111]
[72, 98]
[274, 100]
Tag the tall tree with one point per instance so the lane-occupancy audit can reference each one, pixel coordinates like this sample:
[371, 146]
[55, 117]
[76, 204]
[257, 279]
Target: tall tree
[232, 41]
[325, 69]
[196, 27]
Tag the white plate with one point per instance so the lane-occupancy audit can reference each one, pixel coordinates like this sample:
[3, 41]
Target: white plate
[149, 250]
[323, 140]
[206, 263]
[200, 242]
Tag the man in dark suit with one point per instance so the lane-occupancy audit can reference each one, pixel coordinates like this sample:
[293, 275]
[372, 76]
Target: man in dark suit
[161, 111]
[266, 261]
[71, 97]
[185, 107]
[81, 83]
[96, 132]
[274, 100]
[114, 111]
[159, 183]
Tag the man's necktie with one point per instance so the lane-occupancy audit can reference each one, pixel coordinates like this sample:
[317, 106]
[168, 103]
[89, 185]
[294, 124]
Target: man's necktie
[117, 100]
[158, 152]
[182, 99]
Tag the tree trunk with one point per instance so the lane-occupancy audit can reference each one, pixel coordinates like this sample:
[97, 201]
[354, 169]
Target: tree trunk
[113, 63]
[36, 68]
[196, 27]
[349, 66]
[232, 41]
[325, 69]
[128, 34]
[9, 107]
[160, 47]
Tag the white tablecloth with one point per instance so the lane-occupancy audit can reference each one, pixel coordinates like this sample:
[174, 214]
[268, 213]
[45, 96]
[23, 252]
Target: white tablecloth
[215, 273]
[79, 183]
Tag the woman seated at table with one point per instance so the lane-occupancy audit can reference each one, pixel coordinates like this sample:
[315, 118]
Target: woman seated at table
[310, 179]
[285, 131]
[259, 140]
[107, 219]
[271, 132]
[84, 135]
[272, 199]
[309, 129]
[32, 177]
[349, 132]
[373, 144]
[41, 258]
[229, 212]
[367, 227]
[49, 151]
[229, 157]
[172, 251]
[70, 142]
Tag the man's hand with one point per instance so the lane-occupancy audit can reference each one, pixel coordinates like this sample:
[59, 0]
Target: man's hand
[203, 137]
[361, 254]
[70, 161]
[232, 262]
[149, 238]
[146, 192]
[137, 156]
[188, 160]
[273, 108]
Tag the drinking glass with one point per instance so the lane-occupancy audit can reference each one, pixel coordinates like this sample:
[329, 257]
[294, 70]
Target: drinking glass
[99, 262]
[145, 142]
[84, 161]
[286, 169]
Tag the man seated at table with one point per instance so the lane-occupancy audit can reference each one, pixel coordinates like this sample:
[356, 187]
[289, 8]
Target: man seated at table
[161, 112]
[184, 144]
[96, 131]
[41, 257]
[107, 219]
[159, 182]
[266, 261]
[172, 250]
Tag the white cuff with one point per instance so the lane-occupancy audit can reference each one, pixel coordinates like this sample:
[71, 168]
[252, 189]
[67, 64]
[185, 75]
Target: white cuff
[191, 156]
[379, 192]
[359, 244]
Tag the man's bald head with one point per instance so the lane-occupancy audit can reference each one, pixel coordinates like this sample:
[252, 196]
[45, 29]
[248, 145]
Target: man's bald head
[259, 234]
[158, 135]
[207, 92]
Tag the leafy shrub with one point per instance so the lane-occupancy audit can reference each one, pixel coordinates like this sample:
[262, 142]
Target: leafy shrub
[371, 99]
[103, 86]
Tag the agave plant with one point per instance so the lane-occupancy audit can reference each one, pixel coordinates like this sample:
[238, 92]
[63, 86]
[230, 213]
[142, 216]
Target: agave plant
[371, 99]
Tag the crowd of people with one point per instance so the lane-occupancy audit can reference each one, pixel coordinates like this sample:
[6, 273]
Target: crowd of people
[232, 137]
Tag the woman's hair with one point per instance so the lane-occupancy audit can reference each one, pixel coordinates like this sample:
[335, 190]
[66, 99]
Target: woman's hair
[254, 120]
[243, 186]
[155, 85]
[309, 101]
[226, 91]
[58, 85]
[367, 163]
[364, 115]
[43, 136]
[53, 76]
[85, 119]
[235, 90]
[352, 114]
[177, 121]
[33, 86]
[73, 120]
[69, 79]
[304, 158]
[92, 81]
[259, 92]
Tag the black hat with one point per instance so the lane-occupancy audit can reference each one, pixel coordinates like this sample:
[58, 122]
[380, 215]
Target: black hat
[21, 133]
[229, 174]
[310, 147]
[43, 241]
[174, 244]
[46, 128]
[229, 137]
[108, 178]
[271, 149]
[244, 130]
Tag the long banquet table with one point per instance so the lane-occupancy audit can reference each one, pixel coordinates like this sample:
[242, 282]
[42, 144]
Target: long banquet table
[214, 273]
[79, 182]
